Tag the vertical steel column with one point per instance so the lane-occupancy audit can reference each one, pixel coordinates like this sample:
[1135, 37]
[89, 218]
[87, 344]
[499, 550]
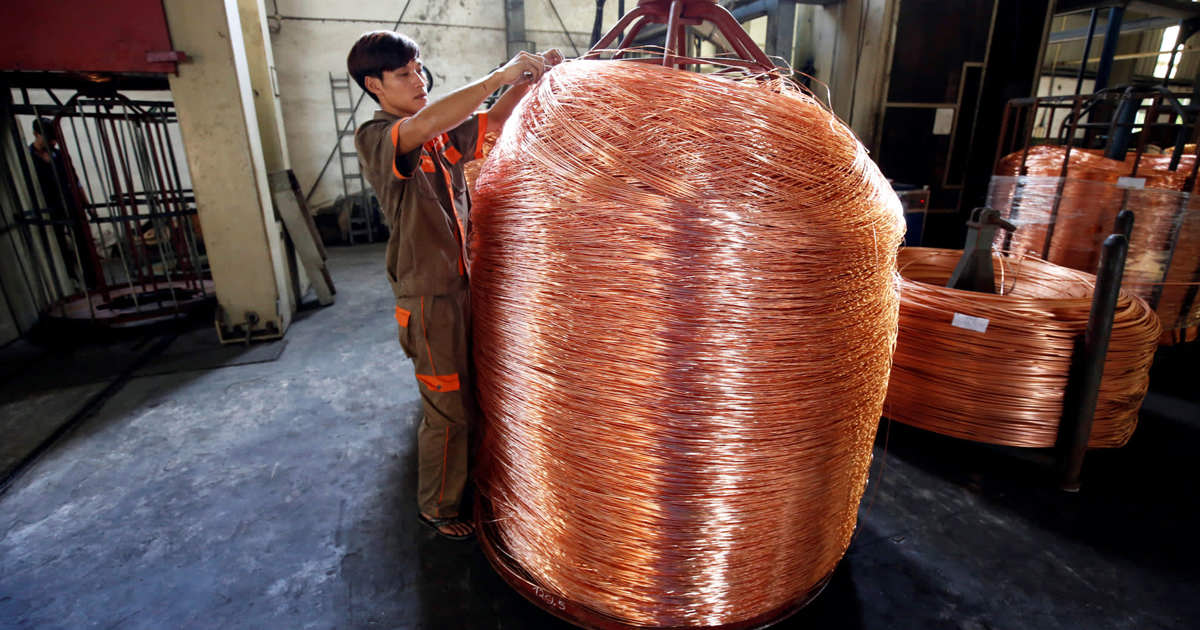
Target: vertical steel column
[514, 26]
[1111, 34]
[781, 27]
[1087, 51]
[1079, 407]
[598, 23]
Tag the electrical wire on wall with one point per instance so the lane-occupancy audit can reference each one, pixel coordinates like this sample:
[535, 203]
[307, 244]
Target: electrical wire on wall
[684, 297]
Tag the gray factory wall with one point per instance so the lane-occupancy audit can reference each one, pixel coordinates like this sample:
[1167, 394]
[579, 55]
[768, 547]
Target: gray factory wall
[459, 42]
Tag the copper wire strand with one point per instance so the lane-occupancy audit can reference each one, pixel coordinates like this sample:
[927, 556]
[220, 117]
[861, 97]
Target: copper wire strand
[1164, 249]
[1006, 385]
[783, 67]
[685, 297]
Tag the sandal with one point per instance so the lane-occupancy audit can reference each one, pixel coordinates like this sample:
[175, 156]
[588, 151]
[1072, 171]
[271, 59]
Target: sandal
[438, 523]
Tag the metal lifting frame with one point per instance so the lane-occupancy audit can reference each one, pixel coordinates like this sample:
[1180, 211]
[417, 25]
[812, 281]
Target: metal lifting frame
[677, 15]
[124, 153]
[1123, 103]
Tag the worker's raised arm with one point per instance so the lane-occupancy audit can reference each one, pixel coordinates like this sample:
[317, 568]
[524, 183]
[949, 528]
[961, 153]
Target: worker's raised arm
[452, 109]
[504, 106]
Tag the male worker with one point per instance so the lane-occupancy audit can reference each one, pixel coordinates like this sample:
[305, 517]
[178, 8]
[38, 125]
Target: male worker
[412, 152]
[59, 185]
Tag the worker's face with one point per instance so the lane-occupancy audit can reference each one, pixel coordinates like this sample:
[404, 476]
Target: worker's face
[401, 91]
[44, 141]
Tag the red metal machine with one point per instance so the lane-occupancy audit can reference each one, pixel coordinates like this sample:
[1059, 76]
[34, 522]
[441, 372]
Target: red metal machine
[111, 36]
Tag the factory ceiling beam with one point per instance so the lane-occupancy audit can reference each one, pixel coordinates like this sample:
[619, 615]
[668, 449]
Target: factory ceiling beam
[1132, 26]
[1179, 9]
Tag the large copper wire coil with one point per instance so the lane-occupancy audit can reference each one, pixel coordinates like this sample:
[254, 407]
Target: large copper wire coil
[685, 301]
[1164, 252]
[1005, 385]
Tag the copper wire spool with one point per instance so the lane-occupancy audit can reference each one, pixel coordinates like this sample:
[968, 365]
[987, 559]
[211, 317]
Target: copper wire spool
[1090, 203]
[1169, 217]
[1166, 233]
[684, 299]
[1006, 384]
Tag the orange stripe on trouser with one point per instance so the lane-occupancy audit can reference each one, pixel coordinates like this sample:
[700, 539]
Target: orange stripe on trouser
[443, 383]
[445, 408]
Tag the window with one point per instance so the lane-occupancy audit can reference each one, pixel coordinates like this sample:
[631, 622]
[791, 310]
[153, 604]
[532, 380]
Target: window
[1169, 37]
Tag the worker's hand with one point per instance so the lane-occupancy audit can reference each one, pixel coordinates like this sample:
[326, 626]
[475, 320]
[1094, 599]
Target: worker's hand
[552, 57]
[527, 67]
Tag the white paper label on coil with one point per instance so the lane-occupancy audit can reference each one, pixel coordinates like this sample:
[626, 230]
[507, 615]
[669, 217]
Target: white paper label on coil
[978, 324]
[1136, 183]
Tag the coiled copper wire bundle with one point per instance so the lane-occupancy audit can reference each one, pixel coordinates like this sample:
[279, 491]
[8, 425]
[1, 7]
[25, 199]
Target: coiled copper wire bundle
[1090, 203]
[684, 300]
[1172, 234]
[1005, 385]
[1164, 251]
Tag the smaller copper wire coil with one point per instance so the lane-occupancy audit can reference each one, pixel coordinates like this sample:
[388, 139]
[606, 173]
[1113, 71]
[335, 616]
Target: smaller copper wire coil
[1166, 233]
[1006, 385]
[1089, 204]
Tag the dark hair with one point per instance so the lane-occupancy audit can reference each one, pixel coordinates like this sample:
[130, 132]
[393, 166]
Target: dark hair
[43, 127]
[377, 52]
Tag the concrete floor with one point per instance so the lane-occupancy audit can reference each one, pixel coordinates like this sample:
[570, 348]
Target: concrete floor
[280, 495]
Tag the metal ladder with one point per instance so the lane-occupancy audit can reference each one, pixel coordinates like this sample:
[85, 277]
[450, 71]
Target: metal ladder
[360, 198]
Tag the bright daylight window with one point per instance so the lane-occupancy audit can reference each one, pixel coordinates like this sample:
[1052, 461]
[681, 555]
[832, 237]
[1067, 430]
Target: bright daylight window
[1169, 37]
